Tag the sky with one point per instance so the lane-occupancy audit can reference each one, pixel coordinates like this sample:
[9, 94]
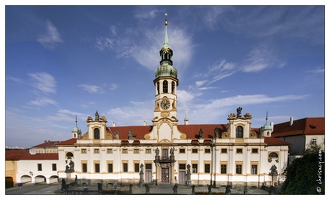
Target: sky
[67, 61]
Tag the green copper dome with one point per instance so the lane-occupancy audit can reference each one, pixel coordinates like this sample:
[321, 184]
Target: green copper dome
[166, 53]
[166, 70]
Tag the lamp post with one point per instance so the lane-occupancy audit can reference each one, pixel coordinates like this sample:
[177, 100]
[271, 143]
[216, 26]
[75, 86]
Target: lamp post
[216, 133]
[31, 174]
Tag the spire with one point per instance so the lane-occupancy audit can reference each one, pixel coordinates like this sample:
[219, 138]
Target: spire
[186, 118]
[166, 53]
[166, 37]
[76, 121]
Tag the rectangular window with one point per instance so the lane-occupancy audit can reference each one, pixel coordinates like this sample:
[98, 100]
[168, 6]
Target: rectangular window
[148, 166]
[223, 169]
[148, 151]
[110, 168]
[207, 168]
[125, 151]
[238, 169]
[165, 153]
[223, 150]
[125, 167]
[83, 151]
[182, 151]
[254, 169]
[313, 142]
[194, 168]
[182, 166]
[136, 151]
[239, 150]
[207, 151]
[97, 168]
[109, 150]
[54, 168]
[194, 151]
[96, 150]
[136, 167]
[255, 150]
[39, 167]
[84, 167]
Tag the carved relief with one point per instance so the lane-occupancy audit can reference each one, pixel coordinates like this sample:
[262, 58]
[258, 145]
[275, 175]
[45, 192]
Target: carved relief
[89, 119]
[103, 119]
[248, 116]
[156, 105]
[231, 116]
[165, 114]
[253, 134]
[116, 135]
[225, 135]
[147, 136]
[164, 141]
[85, 136]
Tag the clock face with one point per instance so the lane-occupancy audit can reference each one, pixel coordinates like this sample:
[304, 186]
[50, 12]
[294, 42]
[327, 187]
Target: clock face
[165, 104]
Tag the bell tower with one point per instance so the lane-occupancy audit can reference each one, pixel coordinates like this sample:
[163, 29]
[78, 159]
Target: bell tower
[165, 122]
[165, 83]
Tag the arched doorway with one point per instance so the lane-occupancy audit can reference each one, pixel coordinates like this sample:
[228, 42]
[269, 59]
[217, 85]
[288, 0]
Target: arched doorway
[9, 182]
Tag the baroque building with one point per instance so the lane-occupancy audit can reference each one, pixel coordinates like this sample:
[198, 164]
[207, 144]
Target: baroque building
[166, 152]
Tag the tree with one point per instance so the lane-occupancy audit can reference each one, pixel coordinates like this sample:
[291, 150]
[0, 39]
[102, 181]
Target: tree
[306, 175]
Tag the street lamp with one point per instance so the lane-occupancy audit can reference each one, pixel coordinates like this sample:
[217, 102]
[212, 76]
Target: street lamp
[216, 133]
[31, 174]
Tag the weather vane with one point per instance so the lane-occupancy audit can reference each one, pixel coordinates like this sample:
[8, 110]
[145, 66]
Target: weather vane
[165, 19]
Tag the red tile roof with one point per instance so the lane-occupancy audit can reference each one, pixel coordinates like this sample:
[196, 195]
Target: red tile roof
[67, 142]
[47, 144]
[10, 155]
[305, 126]
[16, 152]
[137, 131]
[270, 141]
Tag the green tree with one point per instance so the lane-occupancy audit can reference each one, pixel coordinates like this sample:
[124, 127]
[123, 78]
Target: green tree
[306, 175]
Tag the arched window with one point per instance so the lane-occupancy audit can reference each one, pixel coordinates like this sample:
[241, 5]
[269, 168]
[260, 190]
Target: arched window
[173, 86]
[239, 132]
[157, 87]
[165, 87]
[96, 134]
[69, 155]
[273, 155]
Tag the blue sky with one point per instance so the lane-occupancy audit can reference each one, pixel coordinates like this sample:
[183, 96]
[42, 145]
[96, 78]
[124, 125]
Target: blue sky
[63, 61]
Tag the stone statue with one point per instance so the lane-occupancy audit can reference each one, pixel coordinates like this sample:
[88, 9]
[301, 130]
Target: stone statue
[130, 135]
[239, 111]
[141, 175]
[188, 175]
[116, 135]
[200, 134]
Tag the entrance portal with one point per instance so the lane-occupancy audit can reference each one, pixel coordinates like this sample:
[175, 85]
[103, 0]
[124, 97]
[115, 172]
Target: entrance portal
[165, 175]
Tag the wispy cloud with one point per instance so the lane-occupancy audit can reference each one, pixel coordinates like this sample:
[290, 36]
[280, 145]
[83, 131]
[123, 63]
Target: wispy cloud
[205, 112]
[113, 86]
[133, 114]
[43, 101]
[91, 88]
[43, 82]
[259, 58]
[51, 38]
[105, 43]
[146, 13]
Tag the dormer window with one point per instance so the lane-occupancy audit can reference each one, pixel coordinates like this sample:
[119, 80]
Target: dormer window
[96, 134]
[239, 132]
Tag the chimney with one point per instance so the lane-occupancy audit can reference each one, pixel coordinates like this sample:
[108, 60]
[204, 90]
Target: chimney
[272, 125]
[144, 123]
[113, 124]
[291, 121]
